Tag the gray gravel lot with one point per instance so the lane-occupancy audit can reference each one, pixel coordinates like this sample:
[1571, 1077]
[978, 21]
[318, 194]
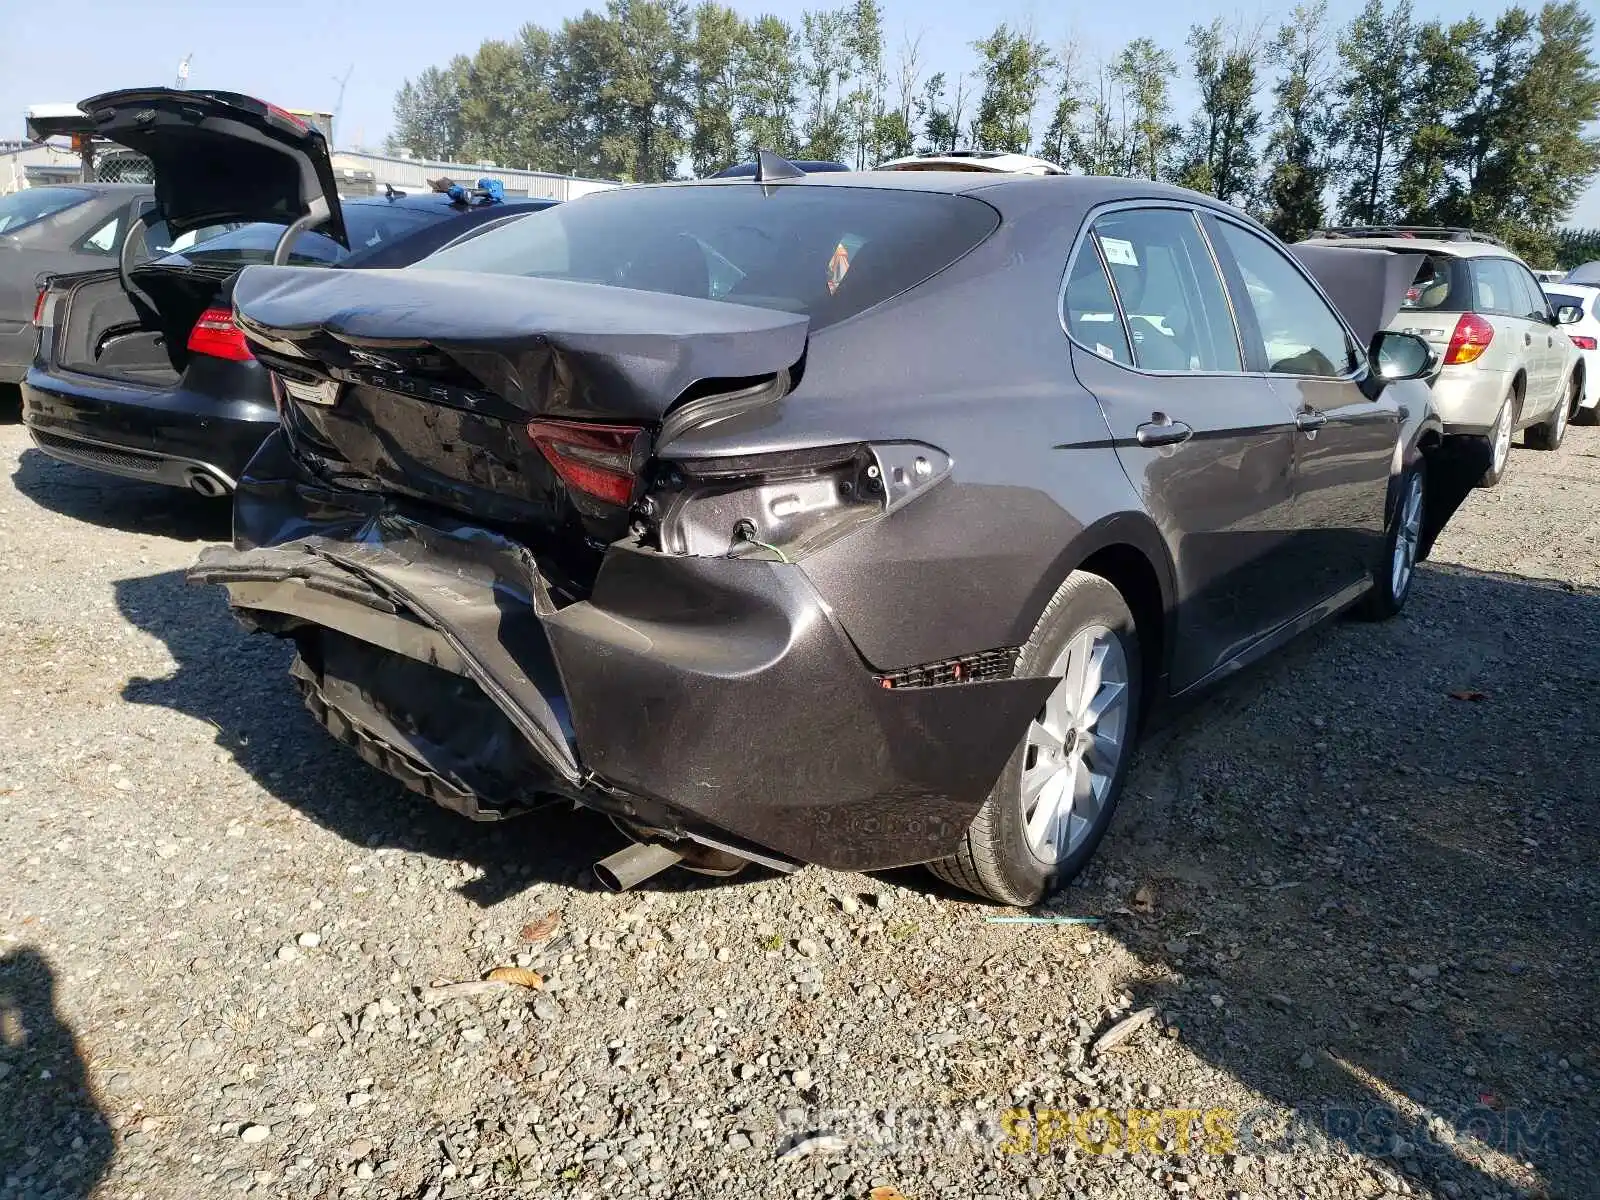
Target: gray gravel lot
[1357, 885]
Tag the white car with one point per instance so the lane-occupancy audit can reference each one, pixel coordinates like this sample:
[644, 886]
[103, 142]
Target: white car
[1506, 363]
[1585, 335]
[974, 160]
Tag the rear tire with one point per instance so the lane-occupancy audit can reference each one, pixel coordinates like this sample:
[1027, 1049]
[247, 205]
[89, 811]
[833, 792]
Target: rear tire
[1088, 636]
[1500, 442]
[1393, 576]
[1550, 434]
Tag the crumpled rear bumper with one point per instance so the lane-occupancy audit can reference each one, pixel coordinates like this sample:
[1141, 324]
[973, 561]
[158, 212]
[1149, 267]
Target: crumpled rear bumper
[706, 697]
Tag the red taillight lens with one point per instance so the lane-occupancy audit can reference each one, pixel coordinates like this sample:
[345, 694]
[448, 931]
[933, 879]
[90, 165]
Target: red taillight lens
[38, 306]
[288, 118]
[1584, 342]
[1470, 339]
[597, 460]
[216, 334]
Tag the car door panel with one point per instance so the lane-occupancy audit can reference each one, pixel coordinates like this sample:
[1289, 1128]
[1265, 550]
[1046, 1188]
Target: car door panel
[1222, 498]
[1344, 438]
[1207, 445]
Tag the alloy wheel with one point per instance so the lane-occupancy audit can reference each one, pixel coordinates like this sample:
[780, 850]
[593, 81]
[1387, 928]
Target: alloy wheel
[1408, 533]
[1075, 744]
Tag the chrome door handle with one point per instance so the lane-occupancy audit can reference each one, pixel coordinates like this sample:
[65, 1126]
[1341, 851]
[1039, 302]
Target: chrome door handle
[1309, 420]
[1162, 430]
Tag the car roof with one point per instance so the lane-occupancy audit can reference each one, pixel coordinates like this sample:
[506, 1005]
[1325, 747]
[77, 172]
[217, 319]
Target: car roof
[1419, 245]
[996, 186]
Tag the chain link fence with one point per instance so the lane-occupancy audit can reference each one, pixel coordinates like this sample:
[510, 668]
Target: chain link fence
[122, 167]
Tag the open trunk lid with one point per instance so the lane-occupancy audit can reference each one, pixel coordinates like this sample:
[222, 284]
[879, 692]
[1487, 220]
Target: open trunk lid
[425, 383]
[222, 157]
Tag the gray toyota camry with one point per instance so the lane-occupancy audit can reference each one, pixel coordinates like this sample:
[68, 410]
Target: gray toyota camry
[859, 519]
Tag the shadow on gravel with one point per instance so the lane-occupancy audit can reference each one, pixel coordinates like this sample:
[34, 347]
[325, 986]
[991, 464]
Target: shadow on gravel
[54, 1140]
[121, 504]
[239, 684]
[1372, 891]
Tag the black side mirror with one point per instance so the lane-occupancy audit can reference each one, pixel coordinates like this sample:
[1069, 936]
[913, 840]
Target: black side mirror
[1402, 356]
[1569, 314]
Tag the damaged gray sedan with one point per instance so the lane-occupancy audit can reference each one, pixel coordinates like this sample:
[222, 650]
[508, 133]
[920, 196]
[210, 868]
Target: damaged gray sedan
[856, 520]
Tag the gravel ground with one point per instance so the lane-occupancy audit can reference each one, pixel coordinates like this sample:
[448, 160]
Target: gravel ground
[1356, 888]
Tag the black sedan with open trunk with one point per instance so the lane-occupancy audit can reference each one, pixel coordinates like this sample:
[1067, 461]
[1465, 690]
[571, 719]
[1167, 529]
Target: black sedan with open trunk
[856, 520]
[140, 370]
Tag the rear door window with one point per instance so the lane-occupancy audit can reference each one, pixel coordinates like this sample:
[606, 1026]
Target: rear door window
[1166, 284]
[1535, 307]
[1300, 332]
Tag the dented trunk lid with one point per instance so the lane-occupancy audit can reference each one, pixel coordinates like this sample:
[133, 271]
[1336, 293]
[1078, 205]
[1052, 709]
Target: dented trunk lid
[423, 383]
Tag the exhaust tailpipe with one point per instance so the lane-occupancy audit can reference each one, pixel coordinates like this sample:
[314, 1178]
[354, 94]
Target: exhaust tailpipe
[207, 484]
[632, 865]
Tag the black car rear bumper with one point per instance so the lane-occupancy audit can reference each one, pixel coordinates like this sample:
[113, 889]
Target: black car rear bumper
[172, 437]
[703, 697]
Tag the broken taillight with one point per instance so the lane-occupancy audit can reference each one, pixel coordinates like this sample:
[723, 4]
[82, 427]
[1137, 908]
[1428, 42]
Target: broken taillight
[786, 505]
[1471, 338]
[39, 307]
[600, 461]
[215, 334]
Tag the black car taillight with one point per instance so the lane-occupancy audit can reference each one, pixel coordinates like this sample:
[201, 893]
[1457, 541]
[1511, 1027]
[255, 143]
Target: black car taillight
[786, 505]
[216, 334]
[599, 461]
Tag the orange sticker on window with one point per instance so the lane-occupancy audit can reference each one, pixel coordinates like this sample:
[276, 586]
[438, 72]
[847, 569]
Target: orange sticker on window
[838, 267]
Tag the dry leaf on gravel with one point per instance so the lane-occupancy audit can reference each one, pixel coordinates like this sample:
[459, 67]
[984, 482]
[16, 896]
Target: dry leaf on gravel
[887, 1192]
[1123, 1030]
[518, 976]
[540, 930]
[1469, 694]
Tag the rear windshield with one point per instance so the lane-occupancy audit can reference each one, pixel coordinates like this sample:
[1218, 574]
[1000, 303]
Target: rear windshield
[370, 226]
[1440, 284]
[1560, 300]
[828, 252]
[35, 204]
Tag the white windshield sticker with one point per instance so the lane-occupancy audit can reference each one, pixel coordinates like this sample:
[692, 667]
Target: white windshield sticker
[1104, 351]
[1119, 252]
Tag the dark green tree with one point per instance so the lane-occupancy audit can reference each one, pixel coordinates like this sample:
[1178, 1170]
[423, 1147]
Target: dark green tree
[826, 65]
[1442, 81]
[1013, 64]
[716, 80]
[1302, 122]
[427, 114]
[1145, 73]
[1376, 81]
[770, 71]
[1219, 152]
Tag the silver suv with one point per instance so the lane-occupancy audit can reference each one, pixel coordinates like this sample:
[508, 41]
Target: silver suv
[1505, 361]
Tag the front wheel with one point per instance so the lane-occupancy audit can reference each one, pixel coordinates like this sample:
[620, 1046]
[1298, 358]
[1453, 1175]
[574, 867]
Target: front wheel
[1055, 798]
[1392, 578]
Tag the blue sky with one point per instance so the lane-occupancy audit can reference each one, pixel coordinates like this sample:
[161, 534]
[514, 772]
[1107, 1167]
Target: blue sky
[292, 52]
